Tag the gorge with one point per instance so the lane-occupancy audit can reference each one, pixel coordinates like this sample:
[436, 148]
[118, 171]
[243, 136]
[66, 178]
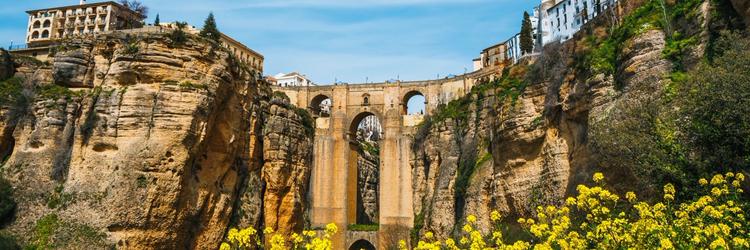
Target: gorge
[139, 141]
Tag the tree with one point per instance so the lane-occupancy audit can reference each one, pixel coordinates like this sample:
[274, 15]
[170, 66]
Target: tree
[527, 43]
[136, 6]
[209, 28]
[156, 21]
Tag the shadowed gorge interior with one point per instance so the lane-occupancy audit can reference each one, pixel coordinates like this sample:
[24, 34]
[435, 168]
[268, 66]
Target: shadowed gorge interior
[364, 164]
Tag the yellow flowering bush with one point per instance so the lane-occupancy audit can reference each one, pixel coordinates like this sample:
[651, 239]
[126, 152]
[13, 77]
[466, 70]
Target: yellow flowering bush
[250, 239]
[599, 219]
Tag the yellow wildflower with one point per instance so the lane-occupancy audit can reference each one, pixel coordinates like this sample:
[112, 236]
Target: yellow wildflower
[471, 218]
[598, 177]
[495, 216]
[703, 182]
[630, 196]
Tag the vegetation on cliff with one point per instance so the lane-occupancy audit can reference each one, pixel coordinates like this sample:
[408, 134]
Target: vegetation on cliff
[598, 218]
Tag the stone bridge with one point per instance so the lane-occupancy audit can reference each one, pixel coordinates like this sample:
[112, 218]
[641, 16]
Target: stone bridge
[333, 190]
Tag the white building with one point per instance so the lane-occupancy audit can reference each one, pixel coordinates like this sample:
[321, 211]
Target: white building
[566, 17]
[48, 25]
[293, 79]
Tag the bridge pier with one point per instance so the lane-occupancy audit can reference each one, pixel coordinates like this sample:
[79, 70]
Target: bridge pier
[333, 188]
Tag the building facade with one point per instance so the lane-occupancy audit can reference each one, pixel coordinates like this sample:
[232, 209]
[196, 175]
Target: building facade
[47, 25]
[246, 55]
[293, 79]
[565, 18]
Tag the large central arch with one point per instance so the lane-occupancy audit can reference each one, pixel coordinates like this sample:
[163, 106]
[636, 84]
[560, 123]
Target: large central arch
[365, 132]
[335, 179]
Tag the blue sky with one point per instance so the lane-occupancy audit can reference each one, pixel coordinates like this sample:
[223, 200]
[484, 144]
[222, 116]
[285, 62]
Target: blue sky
[348, 40]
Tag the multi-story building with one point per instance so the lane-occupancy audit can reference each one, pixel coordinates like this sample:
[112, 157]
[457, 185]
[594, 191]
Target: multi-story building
[246, 55]
[293, 79]
[47, 25]
[509, 50]
[566, 17]
[243, 53]
[493, 55]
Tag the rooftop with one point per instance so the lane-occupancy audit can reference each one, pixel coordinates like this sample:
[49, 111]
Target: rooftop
[88, 5]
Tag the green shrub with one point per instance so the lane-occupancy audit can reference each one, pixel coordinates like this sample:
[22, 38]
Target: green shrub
[8, 242]
[7, 203]
[10, 90]
[363, 227]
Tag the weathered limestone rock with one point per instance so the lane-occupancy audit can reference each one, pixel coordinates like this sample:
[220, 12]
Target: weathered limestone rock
[367, 187]
[743, 8]
[286, 172]
[538, 143]
[154, 144]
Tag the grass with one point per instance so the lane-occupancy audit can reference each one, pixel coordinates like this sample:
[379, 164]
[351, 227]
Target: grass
[51, 232]
[59, 199]
[363, 227]
[193, 86]
[10, 89]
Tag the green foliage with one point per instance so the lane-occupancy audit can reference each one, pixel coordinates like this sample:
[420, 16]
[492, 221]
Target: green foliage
[54, 92]
[157, 22]
[51, 232]
[210, 30]
[307, 120]
[280, 95]
[10, 90]
[370, 148]
[193, 86]
[527, 43]
[8, 242]
[131, 48]
[363, 227]
[178, 36]
[418, 225]
[603, 57]
[43, 231]
[141, 181]
[7, 203]
[59, 199]
[715, 103]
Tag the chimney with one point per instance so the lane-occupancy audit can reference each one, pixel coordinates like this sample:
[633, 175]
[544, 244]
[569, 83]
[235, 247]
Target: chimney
[82, 2]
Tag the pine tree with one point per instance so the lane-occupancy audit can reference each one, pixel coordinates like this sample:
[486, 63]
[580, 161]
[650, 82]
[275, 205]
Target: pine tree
[527, 43]
[209, 28]
[156, 21]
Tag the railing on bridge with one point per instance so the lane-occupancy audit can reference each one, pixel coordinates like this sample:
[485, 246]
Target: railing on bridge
[17, 47]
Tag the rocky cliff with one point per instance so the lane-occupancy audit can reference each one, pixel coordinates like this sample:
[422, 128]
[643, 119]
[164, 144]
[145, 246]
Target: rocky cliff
[527, 139]
[143, 142]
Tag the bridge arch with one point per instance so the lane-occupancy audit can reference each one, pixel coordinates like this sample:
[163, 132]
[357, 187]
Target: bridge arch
[320, 105]
[362, 244]
[364, 169]
[414, 97]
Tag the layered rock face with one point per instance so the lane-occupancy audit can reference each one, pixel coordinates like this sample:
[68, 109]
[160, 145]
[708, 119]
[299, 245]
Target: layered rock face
[154, 143]
[286, 172]
[367, 188]
[513, 154]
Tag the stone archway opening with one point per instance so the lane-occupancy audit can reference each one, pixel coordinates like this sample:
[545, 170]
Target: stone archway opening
[362, 245]
[363, 195]
[320, 106]
[415, 103]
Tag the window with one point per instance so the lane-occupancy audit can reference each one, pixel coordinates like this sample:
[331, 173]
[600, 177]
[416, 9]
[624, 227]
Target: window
[45, 34]
[37, 24]
[46, 24]
[35, 35]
